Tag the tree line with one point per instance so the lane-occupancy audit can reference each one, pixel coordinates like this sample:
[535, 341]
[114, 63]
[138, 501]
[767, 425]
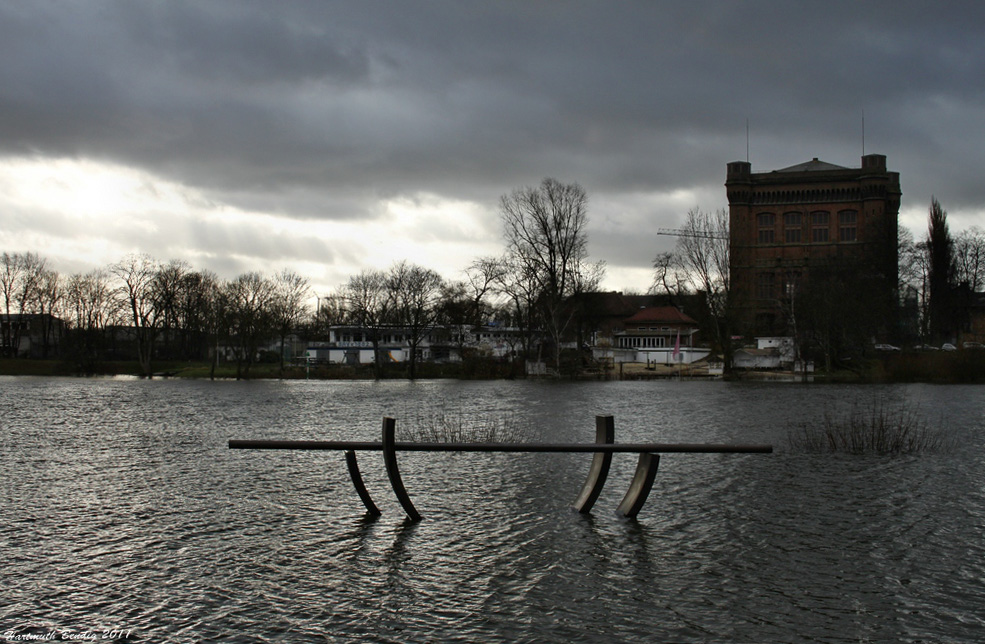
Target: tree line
[170, 311]
[160, 310]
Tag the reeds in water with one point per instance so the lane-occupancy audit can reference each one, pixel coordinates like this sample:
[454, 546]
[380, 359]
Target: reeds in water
[875, 428]
[441, 426]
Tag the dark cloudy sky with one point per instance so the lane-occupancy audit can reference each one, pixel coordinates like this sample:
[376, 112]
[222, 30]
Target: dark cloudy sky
[329, 137]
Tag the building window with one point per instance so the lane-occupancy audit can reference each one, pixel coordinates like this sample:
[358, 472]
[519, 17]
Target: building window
[847, 225]
[764, 286]
[820, 224]
[767, 227]
[792, 224]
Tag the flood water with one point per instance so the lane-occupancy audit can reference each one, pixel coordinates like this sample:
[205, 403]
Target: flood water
[123, 509]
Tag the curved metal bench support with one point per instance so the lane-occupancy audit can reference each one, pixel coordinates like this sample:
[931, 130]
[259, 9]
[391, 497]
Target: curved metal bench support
[639, 488]
[357, 482]
[390, 459]
[604, 433]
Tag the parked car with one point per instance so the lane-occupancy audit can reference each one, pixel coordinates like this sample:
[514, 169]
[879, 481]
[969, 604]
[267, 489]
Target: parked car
[925, 347]
[973, 345]
[886, 347]
[947, 346]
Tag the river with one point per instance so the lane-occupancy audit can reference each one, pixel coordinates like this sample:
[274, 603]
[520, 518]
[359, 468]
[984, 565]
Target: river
[124, 512]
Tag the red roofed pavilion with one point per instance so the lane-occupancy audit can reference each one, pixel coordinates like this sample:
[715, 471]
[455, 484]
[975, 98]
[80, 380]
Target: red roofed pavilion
[656, 327]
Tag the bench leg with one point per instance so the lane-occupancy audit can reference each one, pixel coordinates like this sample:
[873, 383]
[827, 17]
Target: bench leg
[390, 459]
[357, 481]
[604, 433]
[639, 488]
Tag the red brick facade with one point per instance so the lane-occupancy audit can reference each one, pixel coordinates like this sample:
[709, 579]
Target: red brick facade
[786, 223]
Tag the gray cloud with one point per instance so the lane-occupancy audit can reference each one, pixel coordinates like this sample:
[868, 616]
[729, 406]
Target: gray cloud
[319, 110]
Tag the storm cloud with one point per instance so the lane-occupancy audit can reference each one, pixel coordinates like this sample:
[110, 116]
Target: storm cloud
[329, 118]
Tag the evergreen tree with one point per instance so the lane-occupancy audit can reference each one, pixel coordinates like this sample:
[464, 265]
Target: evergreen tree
[940, 256]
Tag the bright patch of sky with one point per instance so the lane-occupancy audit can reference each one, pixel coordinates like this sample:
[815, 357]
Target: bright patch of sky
[89, 214]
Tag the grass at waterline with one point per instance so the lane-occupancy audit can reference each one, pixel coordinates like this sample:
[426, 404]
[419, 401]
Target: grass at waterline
[874, 428]
[162, 368]
[474, 369]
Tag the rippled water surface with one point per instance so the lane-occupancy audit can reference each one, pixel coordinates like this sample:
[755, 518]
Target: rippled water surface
[122, 508]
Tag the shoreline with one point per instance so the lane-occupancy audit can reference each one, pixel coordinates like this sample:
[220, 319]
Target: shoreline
[959, 369]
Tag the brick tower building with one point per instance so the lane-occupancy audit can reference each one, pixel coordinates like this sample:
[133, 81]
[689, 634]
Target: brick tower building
[793, 228]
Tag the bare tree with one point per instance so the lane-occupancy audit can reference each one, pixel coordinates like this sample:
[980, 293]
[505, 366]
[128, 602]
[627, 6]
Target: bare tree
[332, 310]
[89, 300]
[213, 310]
[969, 256]
[137, 291]
[291, 293]
[251, 301]
[192, 300]
[369, 307]
[700, 264]
[912, 282]
[704, 254]
[10, 270]
[169, 285]
[668, 276]
[481, 278]
[466, 305]
[49, 295]
[32, 270]
[20, 279]
[546, 239]
[454, 313]
[414, 292]
[518, 284]
[89, 305]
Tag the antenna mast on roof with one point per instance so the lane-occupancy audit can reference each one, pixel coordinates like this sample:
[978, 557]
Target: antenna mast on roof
[677, 232]
[863, 131]
[747, 140]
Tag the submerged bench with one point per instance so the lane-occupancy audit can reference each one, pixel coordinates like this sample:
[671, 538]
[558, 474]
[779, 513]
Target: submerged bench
[603, 448]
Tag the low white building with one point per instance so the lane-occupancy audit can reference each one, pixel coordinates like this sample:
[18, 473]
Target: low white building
[353, 345]
[770, 352]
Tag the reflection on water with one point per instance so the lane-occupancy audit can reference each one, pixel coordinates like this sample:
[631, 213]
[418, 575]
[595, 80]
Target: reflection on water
[122, 508]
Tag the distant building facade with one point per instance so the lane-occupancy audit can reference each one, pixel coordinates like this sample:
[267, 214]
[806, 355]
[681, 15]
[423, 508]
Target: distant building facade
[352, 345]
[30, 335]
[811, 220]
